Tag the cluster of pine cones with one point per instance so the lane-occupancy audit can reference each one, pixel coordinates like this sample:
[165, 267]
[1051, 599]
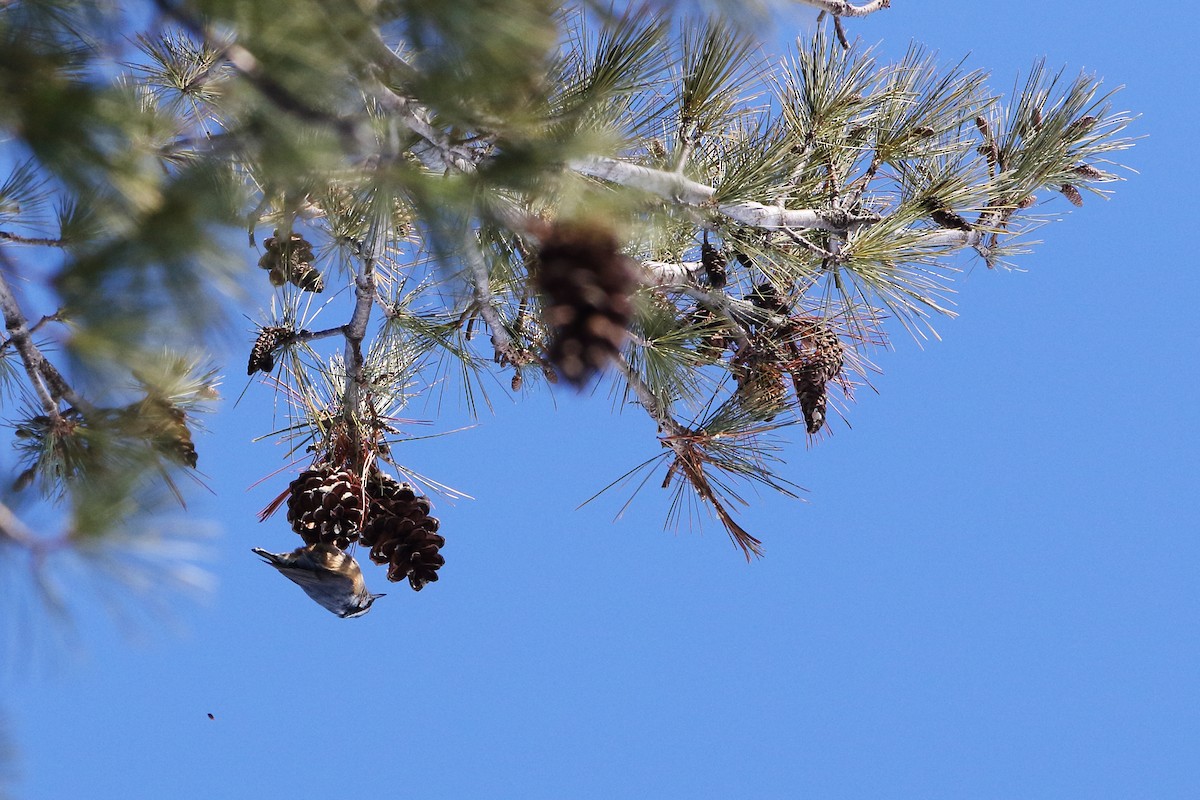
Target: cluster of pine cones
[806, 349]
[290, 261]
[331, 505]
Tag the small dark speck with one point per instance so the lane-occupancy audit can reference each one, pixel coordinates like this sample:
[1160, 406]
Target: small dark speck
[210, 716]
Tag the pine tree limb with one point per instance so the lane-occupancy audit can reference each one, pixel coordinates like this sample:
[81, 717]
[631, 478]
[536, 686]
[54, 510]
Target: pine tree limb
[681, 277]
[434, 151]
[647, 399]
[31, 356]
[673, 187]
[841, 8]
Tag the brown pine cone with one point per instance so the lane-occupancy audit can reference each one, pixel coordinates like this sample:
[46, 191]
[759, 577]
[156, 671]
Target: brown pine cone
[325, 505]
[586, 282]
[401, 533]
[291, 261]
[416, 558]
[261, 358]
[823, 360]
[714, 262]
[760, 381]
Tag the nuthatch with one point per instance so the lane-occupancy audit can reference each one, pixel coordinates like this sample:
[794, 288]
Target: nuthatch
[327, 575]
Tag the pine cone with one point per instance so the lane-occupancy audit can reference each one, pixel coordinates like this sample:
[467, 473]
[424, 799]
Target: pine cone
[760, 380]
[767, 297]
[587, 283]
[291, 261]
[1079, 128]
[325, 505]
[417, 558]
[823, 361]
[261, 359]
[714, 262]
[948, 218]
[712, 340]
[401, 533]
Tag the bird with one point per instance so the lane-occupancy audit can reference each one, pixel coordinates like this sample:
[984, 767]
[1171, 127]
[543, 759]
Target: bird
[328, 575]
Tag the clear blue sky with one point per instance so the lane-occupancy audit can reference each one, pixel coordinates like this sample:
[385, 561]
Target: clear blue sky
[992, 591]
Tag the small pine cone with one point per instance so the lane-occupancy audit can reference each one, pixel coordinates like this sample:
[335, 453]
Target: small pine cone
[711, 340]
[714, 262]
[1079, 128]
[261, 359]
[823, 363]
[947, 218]
[1088, 171]
[767, 297]
[291, 261]
[1072, 194]
[307, 278]
[1027, 201]
[586, 282]
[325, 505]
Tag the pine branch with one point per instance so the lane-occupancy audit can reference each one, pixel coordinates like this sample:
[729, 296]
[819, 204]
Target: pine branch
[481, 285]
[48, 318]
[36, 365]
[15, 531]
[841, 8]
[690, 458]
[354, 132]
[674, 187]
[739, 313]
[434, 150]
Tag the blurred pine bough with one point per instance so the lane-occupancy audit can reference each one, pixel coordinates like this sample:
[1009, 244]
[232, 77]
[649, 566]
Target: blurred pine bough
[520, 187]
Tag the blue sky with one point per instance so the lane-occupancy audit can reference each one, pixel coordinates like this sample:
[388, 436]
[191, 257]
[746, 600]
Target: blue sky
[990, 591]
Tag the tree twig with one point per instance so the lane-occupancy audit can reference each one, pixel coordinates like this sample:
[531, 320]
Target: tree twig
[55, 317]
[481, 285]
[648, 401]
[16, 238]
[33, 359]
